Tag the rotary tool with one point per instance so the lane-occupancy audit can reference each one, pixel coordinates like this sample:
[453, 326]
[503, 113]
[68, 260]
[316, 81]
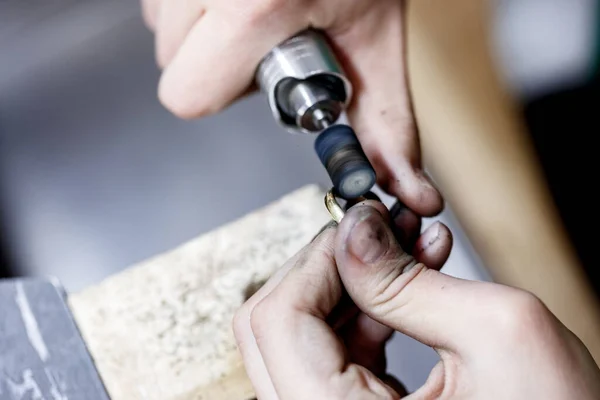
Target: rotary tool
[308, 93]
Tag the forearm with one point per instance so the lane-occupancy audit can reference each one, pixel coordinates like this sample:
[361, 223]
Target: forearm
[476, 147]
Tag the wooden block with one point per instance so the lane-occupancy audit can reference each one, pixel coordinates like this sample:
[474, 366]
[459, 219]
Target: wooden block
[161, 330]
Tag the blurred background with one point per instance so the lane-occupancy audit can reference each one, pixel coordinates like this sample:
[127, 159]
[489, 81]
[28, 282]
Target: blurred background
[95, 175]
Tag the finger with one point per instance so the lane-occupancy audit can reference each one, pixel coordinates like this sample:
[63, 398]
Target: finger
[381, 112]
[150, 10]
[290, 325]
[216, 62]
[366, 196]
[288, 320]
[406, 225]
[395, 384]
[175, 20]
[377, 205]
[344, 313]
[330, 224]
[388, 285]
[434, 246]
[255, 366]
[365, 340]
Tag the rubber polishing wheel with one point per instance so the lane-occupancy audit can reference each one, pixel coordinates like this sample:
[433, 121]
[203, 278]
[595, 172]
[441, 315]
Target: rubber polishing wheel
[349, 169]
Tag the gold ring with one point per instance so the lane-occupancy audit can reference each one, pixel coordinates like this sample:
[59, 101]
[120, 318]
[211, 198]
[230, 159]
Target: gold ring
[335, 210]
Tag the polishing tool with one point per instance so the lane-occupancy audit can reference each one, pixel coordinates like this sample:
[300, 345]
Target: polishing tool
[308, 93]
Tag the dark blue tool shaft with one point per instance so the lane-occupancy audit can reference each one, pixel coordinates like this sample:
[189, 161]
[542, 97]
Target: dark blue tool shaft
[346, 163]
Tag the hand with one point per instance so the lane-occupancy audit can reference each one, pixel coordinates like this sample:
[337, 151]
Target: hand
[317, 329]
[210, 49]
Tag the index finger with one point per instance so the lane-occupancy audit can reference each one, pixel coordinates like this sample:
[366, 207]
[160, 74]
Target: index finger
[289, 324]
[381, 112]
[303, 355]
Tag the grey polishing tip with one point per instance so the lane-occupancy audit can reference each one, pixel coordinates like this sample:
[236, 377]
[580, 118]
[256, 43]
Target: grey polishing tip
[349, 169]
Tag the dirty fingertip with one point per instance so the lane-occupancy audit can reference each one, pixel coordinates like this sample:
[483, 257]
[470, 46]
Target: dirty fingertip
[434, 246]
[417, 193]
[374, 204]
[365, 234]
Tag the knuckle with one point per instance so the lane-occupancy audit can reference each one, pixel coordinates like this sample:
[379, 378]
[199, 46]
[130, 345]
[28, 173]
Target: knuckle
[357, 382]
[241, 322]
[149, 14]
[162, 53]
[387, 289]
[323, 247]
[161, 59]
[171, 100]
[520, 314]
[260, 316]
[320, 250]
[183, 104]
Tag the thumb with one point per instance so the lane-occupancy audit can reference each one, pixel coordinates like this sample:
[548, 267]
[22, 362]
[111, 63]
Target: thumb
[392, 288]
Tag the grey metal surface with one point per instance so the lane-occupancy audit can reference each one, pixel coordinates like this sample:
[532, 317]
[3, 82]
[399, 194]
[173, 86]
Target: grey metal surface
[42, 355]
[304, 57]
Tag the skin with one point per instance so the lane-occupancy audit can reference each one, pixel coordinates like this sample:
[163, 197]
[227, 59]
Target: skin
[318, 328]
[209, 51]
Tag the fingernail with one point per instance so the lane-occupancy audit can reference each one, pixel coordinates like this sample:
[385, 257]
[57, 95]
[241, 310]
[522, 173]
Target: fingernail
[369, 238]
[430, 236]
[426, 182]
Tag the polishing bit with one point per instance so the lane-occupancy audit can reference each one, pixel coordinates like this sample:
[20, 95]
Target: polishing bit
[348, 167]
[308, 93]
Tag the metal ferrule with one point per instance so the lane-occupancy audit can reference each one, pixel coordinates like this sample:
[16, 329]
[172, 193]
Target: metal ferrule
[304, 83]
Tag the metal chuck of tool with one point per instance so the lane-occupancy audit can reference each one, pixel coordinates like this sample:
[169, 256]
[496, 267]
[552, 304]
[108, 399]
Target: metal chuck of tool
[309, 93]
